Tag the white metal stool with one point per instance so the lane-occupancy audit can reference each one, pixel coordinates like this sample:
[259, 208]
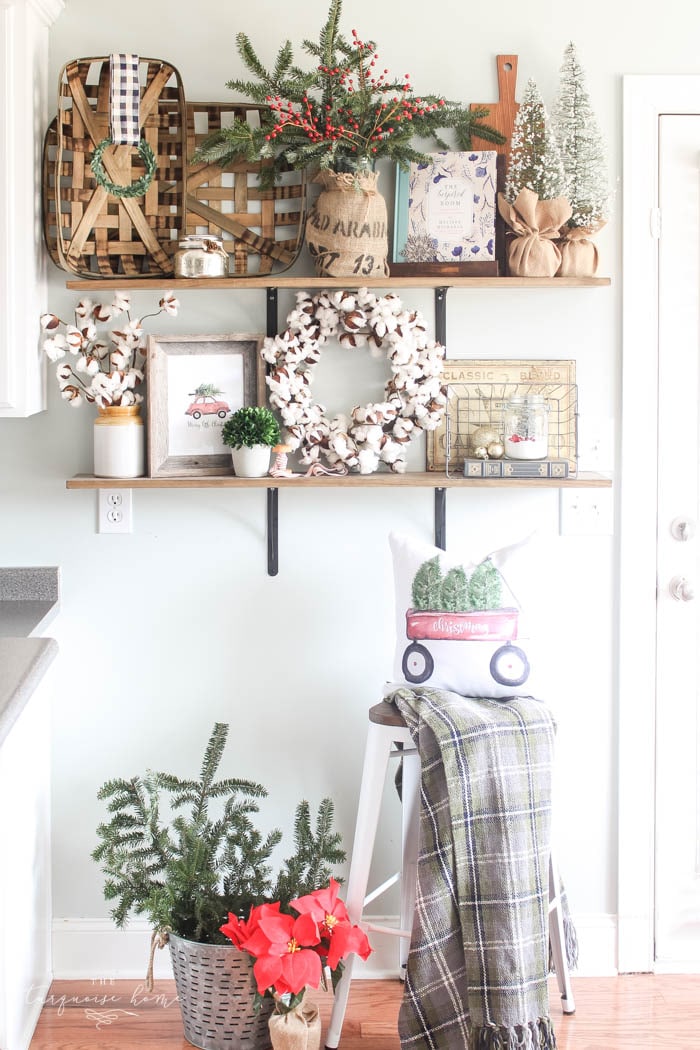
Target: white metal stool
[387, 729]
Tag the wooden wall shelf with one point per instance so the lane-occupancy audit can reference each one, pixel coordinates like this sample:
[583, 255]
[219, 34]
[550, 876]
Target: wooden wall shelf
[417, 479]
[281, 281]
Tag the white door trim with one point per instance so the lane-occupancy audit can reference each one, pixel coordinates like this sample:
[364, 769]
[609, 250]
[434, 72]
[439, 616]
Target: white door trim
[645, 98]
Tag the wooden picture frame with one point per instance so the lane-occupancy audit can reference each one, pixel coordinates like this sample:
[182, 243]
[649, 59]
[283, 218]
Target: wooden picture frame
[477, 390]
[194, 383]
[473, 258]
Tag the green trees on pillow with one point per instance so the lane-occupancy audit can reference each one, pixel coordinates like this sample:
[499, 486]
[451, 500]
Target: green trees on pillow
[456, 592]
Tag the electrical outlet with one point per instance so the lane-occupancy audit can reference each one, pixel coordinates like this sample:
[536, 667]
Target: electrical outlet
[585, 512]
[114, 510]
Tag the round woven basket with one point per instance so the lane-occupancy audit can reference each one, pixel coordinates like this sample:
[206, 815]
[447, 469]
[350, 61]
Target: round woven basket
[216, 991]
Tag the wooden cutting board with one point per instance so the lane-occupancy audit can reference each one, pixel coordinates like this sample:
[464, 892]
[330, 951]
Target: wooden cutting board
[502, 113]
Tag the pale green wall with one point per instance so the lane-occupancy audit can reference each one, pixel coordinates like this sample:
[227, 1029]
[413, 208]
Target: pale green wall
[164, 631]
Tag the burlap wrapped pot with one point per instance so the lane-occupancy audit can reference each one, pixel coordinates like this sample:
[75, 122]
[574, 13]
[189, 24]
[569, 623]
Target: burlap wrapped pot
[347, 229]
[537, 224]
[579, 255]
[298, 1029]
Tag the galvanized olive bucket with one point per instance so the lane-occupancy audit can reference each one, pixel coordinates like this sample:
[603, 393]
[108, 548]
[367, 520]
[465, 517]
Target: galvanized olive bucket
[216, 991]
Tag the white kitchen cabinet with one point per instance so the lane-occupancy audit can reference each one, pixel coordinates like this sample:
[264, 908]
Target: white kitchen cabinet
[24, 93]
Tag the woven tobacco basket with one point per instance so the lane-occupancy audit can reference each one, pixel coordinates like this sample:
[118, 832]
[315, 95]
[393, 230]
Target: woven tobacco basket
[262, 230]
[89, 231]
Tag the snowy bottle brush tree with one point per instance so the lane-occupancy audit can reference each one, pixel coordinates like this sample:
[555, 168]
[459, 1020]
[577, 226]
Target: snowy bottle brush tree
[535, 161]
[581, 147]
[534, 203]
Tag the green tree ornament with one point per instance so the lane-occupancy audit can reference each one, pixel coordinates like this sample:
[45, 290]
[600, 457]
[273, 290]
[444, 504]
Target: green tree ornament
[455, 596]
[426, 591]
[485, 586]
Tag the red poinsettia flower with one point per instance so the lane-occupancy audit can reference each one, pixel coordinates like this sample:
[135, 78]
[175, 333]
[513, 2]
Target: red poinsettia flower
[289, 962]
[344, 939]
[340, 936]
[324, 906]
[239, 931]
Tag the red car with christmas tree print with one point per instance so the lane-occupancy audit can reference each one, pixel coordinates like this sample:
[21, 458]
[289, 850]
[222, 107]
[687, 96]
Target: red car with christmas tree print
[205, 402]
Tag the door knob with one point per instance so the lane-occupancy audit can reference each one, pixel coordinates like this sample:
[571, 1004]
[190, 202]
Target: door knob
[682, 529]
[681, 590]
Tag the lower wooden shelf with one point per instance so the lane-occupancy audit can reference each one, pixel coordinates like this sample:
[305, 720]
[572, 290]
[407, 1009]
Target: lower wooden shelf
[413, 479]
[416, 479]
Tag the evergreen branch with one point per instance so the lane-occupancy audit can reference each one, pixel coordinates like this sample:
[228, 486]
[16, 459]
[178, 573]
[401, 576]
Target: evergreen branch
[250, 58]
[284, 61]
[329, 33]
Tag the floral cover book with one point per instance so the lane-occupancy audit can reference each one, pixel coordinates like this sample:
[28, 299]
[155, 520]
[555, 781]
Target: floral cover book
[446, 209]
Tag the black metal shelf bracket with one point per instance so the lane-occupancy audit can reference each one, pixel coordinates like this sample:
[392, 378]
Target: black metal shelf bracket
[440, 514]
[272, 326]
[441, 316]
[441, 493]
[273, 563]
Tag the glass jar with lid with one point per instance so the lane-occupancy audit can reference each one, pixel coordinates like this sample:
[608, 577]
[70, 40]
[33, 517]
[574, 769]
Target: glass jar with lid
[201, 256]
[526, 427]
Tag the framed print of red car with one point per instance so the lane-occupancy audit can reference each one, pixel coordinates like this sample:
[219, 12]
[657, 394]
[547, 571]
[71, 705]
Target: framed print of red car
[207, 406]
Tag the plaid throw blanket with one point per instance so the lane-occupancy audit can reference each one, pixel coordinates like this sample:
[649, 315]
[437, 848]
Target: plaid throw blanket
[477, 969]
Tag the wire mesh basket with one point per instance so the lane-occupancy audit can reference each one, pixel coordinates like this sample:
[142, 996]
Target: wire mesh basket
[476, 409]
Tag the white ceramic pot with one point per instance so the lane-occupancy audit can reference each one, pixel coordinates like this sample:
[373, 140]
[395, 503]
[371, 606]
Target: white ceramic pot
[119, 442]
[251, 462]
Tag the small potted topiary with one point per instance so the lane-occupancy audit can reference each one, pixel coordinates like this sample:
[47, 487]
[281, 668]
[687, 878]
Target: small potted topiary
[250, 433]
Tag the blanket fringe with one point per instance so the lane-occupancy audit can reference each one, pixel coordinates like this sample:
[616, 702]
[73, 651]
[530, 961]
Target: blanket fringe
[535, 1035]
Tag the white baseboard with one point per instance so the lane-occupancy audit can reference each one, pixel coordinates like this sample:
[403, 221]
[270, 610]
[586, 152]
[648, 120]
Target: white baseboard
[92, 949]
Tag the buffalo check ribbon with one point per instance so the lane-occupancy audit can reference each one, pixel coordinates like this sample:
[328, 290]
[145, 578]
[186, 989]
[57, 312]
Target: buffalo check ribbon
[124, 99]
[476, 977]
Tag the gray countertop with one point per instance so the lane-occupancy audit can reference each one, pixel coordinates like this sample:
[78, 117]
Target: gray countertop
[23, 664]
[29, 600]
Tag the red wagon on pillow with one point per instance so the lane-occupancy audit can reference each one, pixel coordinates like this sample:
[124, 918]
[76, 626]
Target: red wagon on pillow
[509, 664]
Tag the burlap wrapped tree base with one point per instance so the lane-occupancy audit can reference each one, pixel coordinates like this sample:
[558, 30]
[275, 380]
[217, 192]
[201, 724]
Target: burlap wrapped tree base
[579, 255]
[347, 229]
[299, 1029]
[537, 224]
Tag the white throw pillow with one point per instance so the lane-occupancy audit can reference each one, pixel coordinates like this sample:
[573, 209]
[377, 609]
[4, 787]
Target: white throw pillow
[462, 622]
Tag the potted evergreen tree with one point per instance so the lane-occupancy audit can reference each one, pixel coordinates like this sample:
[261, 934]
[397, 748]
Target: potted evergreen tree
[185, 853]
[250, 433]
[337, 118]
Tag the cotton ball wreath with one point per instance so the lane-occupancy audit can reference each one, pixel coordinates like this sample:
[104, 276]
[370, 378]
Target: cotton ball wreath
[414, 396]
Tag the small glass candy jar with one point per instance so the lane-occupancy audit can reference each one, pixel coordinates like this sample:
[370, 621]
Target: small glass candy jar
[526, 427]
[201, 256]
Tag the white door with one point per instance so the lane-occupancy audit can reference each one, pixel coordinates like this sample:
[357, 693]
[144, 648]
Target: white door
[677, 846]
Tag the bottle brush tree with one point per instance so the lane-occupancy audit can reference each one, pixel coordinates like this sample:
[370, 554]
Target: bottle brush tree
[581, 146]
[535, 161]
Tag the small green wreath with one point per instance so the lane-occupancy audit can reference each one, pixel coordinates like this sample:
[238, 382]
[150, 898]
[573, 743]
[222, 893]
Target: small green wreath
[136, 189]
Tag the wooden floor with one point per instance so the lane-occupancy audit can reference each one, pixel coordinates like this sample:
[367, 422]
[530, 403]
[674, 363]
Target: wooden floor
[640, 1012]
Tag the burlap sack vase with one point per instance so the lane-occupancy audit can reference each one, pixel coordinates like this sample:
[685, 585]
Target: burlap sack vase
[299, 1029]
[537, 224]
[579, 255]
[347, 229]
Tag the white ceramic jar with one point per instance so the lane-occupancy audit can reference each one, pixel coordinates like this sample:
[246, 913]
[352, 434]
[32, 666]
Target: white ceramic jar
[119, 446]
